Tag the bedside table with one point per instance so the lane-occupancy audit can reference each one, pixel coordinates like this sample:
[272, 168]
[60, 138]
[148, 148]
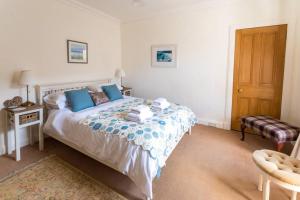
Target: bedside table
[127, 91]
[25, 118]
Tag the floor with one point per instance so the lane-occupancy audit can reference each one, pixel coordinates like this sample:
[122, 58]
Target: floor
[210, 164]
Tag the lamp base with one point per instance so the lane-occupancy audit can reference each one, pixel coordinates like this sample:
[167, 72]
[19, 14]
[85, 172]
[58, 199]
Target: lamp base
[27, 104]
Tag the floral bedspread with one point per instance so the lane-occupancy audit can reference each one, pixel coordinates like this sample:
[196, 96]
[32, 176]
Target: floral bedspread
[158, 135]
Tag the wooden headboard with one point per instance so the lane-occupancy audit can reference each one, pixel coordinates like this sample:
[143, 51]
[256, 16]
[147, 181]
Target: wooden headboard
[43, 90]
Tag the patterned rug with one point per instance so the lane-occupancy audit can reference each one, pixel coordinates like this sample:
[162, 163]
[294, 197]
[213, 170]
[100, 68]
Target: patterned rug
[53, 179]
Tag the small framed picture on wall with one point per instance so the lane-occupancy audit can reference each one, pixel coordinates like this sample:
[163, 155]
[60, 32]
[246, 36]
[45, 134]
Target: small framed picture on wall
[77, 52]
[164, 56]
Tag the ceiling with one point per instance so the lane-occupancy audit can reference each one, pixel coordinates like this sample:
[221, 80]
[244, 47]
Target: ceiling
[125, 10]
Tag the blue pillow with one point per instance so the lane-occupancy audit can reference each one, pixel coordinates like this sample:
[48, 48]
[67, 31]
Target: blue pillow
[112, 92]
[79, 99]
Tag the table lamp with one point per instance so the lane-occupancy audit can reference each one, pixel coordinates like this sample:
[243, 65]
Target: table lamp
[120, 73]
[26, 79]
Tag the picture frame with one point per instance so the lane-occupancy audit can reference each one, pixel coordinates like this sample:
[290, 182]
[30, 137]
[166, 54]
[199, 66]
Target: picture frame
[164, 56]
[77, 52]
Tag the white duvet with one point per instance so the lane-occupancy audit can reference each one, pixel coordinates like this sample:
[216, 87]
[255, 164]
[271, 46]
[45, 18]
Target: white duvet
[127, 158]
[117, 152]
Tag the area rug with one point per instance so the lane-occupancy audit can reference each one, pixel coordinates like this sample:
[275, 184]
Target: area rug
[53, 179]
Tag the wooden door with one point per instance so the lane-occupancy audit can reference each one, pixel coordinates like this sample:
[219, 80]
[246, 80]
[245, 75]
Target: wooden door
[258, 72]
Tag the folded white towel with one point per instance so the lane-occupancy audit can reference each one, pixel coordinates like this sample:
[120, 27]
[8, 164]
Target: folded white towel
[140, 109]
[142, 115]
[133, 119]
[156, 109]
[139, 117]
[160, 101]
[160, 104]
[160, 107]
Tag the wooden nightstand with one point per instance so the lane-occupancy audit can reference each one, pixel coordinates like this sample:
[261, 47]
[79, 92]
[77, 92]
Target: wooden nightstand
[127, 91]
[25, 118]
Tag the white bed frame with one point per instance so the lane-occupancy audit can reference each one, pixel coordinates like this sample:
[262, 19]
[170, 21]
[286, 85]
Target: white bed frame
[43, 90]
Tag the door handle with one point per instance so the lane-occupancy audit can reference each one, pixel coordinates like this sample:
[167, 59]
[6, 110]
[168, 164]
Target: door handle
[240, 90]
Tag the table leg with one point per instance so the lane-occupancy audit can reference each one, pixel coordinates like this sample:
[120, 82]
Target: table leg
[41, 138]
[17, 138]
[17, 144]
[31, 139]
[7, 134]
[9, 143]
[41, 134]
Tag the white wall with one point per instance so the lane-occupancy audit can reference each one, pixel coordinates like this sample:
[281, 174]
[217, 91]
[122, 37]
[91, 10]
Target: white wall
[33, 35]
[295, 89]
[202, 34]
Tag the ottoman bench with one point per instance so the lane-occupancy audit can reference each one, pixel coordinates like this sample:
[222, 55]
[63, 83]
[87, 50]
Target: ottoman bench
[279, 132]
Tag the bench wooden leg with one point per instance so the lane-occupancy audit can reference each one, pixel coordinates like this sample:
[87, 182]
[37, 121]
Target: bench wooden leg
[243, 127]
[279, 146]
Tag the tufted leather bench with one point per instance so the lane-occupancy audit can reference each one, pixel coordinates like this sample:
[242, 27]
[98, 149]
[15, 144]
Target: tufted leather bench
[278, 168]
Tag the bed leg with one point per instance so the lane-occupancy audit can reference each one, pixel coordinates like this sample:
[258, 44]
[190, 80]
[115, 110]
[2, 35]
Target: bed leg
[190, 131]
[148, 198]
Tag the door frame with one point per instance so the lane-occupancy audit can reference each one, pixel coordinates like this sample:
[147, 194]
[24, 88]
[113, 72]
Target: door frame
[288, 66]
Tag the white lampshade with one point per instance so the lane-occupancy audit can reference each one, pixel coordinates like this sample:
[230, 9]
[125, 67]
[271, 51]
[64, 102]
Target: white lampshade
[120, 73]
[26, 77]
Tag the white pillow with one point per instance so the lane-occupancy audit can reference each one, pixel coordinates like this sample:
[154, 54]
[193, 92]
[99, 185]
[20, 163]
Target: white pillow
[56, 101]
[119, 87]
[94, 88]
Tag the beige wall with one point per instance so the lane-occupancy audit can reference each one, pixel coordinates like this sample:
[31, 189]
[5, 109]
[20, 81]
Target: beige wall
[203, 79]
[33, 35]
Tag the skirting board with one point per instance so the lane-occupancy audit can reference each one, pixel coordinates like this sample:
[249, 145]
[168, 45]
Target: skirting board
[213, 123]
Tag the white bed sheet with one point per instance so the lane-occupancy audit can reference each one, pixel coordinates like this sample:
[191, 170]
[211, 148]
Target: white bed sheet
[125, 157]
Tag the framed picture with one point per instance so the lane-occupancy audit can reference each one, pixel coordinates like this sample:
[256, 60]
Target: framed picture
[164, 56]
[77, 52]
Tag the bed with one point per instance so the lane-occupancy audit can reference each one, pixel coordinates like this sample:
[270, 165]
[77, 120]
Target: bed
[138, 150]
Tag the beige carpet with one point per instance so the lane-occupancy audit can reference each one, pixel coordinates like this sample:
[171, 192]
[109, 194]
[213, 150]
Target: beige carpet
[52, 178]
[211, 164]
